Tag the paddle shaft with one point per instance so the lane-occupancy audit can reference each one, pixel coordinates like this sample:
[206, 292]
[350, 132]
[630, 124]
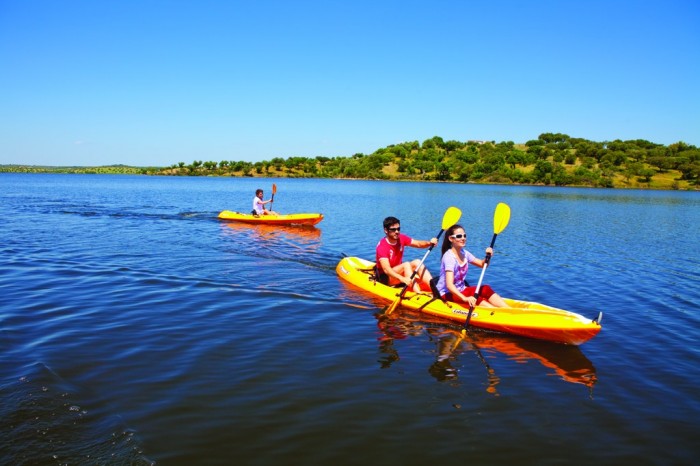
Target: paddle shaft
[487, 260]
[405, 287]
[272, 199]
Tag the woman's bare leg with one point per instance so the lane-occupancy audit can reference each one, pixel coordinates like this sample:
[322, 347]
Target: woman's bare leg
[497, 301]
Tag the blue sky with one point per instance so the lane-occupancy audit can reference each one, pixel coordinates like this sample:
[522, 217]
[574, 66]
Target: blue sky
[155, 82]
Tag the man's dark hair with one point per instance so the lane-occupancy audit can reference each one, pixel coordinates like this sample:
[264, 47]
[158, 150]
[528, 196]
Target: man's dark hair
[389, 221]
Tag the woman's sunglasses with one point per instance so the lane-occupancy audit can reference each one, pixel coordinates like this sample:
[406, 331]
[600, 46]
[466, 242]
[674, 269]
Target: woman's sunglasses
[458, 236]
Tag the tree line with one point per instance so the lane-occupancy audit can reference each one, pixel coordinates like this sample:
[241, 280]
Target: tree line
[100, 170]
[551, 159]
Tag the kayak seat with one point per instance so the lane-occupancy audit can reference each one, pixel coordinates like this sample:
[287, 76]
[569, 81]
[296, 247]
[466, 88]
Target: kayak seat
[434, 288]
[376, 277]
[436, 294]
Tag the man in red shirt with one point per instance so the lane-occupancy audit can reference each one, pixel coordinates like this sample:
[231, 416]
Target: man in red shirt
[390, 269]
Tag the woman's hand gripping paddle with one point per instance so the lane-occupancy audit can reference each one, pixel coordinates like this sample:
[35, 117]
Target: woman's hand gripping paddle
[500, 221]
[452, 215]
[272, 199]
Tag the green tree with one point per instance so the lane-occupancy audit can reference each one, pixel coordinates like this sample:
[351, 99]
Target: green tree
[467, 156]
[493, 162]
[451, 146]
[615, 157]
[646, 174]
[278, 163]
[542, 169]
[553, 138]
[436, 142]
[515, 157]
[443, 172]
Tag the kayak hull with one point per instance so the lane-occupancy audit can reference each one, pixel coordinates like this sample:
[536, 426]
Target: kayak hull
[524, 318]
[282, 219]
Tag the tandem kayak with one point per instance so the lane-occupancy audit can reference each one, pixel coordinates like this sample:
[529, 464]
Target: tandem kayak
[281, 219]
[522, 318]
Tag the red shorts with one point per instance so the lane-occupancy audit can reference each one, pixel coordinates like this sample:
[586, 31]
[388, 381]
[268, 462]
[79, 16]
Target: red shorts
[485, 292]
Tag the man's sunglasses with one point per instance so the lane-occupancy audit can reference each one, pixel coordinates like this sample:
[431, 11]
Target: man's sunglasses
[394, 229]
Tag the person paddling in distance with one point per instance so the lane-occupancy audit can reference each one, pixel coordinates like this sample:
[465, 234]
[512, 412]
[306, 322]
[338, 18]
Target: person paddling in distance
[259, 204]
[390, 268]
[453, 272]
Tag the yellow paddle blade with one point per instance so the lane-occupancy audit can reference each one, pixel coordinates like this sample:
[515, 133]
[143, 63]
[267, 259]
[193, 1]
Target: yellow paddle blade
[501, 218]
[274, 188]
[392, 307]
[452, 215]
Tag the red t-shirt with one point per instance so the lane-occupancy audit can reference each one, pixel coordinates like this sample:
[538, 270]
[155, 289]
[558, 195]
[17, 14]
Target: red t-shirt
[393, 252]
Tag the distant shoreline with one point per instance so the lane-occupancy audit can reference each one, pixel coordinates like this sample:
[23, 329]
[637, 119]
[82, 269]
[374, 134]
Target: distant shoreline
[149, 171]
[553, 159]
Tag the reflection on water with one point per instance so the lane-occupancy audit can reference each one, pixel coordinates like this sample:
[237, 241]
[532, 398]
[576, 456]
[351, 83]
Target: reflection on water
[448, 343]
[294, 243]
[300, 237]
[272, 232]
[568, 363]
[603, 195]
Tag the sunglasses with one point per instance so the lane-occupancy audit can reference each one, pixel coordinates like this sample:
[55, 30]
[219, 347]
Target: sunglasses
[394, 229]
[459, 236]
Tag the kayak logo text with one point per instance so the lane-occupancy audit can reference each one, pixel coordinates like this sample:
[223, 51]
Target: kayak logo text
[466, 313]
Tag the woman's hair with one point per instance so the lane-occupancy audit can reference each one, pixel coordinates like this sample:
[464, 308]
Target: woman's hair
[446, 242]
[258, 191]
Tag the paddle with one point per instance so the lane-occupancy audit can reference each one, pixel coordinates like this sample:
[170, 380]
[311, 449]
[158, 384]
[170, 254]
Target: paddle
[500, 221]
[272, 199]
[451, 217]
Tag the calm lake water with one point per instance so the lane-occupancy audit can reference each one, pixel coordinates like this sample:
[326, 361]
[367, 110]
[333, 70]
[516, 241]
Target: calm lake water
[136, 328]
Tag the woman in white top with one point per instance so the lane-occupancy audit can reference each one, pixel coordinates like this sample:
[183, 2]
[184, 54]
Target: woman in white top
[453, 272]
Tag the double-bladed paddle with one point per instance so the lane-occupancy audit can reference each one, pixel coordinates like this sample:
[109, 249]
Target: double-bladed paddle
[501, 217]
[452, 215]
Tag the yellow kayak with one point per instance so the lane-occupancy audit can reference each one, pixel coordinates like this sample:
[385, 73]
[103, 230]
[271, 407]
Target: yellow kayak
[522, 318]
[281, 219]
